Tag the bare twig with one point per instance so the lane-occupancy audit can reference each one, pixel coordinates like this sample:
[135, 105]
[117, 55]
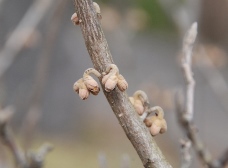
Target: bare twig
[17, 39]
[185, 113]
[186, 157]
[98, 49]
[37, 159]
[188, 74]
[7, 137]
[190, 129]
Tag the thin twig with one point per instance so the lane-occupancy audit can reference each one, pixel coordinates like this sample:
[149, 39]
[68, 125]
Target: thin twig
[37, 159]
[185, 113]
[99, 52]
[187, 68]
[8, 139]
[192, 133]
[186, 157]
[17, 39]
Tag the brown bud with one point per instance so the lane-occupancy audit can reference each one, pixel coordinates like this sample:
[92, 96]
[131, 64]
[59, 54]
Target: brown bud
[122, 83]
[74, 19]
[91, 85]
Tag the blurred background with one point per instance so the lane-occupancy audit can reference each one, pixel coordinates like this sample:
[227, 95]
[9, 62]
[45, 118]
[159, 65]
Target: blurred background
[42, 54]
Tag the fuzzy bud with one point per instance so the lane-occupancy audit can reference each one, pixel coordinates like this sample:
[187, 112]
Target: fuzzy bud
[91, 85]
[83, 93]
[74, 19]
[80, 88]
[110, 84]
[122, 83]
[157, 125]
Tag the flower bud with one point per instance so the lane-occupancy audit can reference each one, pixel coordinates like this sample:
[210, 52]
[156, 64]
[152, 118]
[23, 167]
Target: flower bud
[83, 93]
[74, 19]
[91, 85]
[110, 84]
[81, 89]
[122, 83]
[155, 129]
[157, 125]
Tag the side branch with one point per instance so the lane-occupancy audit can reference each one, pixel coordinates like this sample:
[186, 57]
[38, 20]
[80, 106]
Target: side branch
[101, 57]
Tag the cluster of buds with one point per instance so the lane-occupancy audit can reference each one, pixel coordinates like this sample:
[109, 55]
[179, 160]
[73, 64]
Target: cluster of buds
[112, 78]
[77, 21]
[138, 101]
[156, 123]
[87, 84]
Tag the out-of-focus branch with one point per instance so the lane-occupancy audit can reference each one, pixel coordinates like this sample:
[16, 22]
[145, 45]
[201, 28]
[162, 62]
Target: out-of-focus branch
[187, 69]
[41, 76]
[185, 113]
[17, 39]
[192, 133]
[8, 139]
[186, 158]
[134, 128]
[34, 160]
[37, 159]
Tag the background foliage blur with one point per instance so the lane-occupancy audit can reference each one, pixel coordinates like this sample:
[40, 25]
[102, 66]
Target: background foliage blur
[145, 38]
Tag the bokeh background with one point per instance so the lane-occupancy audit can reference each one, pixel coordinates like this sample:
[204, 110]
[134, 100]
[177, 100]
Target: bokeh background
[47, 55]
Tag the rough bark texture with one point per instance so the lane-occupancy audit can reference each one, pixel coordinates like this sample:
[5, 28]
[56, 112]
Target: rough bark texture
[99, 52]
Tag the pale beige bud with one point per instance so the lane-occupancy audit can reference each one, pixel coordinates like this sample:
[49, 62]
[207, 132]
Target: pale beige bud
[110, 84]
[74, 19]
[83, 93]
[155, 129]
[91, 85]
[96, 7]
[77, 85]
[122, 83]
[138, 107]
[80, 87]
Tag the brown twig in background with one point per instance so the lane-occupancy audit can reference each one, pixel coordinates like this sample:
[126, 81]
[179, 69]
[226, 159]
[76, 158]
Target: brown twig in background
[17, 39]
[100, 55]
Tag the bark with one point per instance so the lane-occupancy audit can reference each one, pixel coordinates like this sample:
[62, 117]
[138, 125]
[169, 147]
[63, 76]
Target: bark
[101, 57]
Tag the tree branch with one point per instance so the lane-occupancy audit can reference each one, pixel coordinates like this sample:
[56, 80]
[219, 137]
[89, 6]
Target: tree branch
[101, 57]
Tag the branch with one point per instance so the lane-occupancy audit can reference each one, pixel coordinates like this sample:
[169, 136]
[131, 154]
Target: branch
[187, 68]
[101, 57]
[8, 139]
[185, 113]
[17, 39]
